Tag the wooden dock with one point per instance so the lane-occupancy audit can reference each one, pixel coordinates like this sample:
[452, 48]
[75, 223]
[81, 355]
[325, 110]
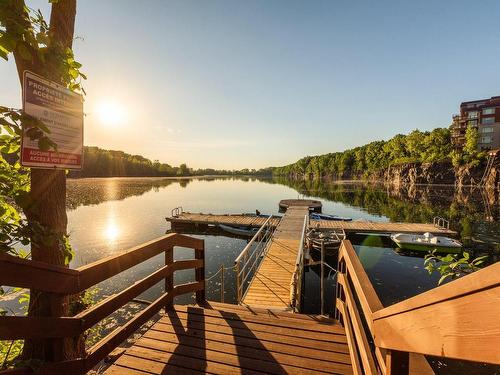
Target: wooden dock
[228, 339]
[220, 338]
[270, 286]
[191, 219]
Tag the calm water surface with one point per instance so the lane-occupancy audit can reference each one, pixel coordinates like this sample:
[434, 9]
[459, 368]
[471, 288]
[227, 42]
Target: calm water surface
[107, 216]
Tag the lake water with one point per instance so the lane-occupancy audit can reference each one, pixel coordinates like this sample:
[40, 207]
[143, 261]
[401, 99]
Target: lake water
[107, 216]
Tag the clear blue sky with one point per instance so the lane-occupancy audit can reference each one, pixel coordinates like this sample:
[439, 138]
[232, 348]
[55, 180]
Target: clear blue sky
[233, 84]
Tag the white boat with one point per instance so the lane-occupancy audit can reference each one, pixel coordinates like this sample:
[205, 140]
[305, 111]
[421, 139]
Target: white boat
[239, 231]
[426, 242]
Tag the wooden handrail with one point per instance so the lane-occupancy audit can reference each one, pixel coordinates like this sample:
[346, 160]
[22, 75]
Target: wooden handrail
[357, 303]
[60, 280]
[456, 320]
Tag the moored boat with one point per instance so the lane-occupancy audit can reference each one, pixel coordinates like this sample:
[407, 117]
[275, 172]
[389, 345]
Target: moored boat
[239, 231]
[316, 216]
[426, 242]
[330, 239]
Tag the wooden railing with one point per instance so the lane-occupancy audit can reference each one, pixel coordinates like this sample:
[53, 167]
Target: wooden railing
[61, 281]
[457, 320]
[297, 276]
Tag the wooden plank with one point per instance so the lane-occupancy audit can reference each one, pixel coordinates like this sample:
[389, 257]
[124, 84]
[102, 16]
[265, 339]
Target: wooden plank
[266, 362]
[465, 328]
[364, 289]
[112, 303]
[356, 366]
[486, 278]
[105, 268]
[314, 326]
[157, 341]
[357, 325]
[270, 285]
[254, 326]
[277, 314]
[157, 362]
[21, 327]
[170, 332]
[46, 277]
[180, 323]
[139, 365]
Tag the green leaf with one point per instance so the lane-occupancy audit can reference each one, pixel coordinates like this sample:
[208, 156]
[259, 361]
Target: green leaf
[73, 73]
[443, 278]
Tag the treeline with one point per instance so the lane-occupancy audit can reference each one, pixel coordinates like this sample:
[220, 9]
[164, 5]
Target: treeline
[111, 163]
[416, 147]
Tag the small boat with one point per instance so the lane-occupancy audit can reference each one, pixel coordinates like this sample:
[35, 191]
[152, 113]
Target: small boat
[426, 242]
[239, 231]
[316, 216]
[331, 239]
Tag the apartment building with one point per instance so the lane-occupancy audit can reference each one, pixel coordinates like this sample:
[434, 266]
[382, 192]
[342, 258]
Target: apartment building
[483, 115]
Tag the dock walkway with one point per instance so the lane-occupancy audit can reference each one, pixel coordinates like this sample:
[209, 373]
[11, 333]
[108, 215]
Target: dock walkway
[229, 339]
[270, 286]
[191, 219]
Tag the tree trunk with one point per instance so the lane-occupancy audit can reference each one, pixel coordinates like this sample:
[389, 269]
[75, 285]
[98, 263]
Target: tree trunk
[48, 190]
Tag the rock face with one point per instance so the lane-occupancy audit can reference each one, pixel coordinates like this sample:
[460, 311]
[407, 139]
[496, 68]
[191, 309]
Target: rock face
[440, 173]
[443, 173]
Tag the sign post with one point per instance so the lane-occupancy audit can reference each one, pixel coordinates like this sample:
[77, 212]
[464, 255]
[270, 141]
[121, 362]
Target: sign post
[61, 110]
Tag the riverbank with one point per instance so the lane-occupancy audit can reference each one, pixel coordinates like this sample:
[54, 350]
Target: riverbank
[407, 174]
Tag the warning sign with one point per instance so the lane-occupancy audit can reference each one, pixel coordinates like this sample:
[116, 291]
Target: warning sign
[61, 110]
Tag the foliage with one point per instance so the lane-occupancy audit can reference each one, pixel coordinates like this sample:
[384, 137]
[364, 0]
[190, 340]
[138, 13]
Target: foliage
[110, 163]
[451, 266]
[25, 34]
[14, 180]
[471, 139]
[416, 147]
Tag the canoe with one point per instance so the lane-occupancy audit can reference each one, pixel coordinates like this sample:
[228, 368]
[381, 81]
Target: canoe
[239, 231]
[315, 216]
[426, 242]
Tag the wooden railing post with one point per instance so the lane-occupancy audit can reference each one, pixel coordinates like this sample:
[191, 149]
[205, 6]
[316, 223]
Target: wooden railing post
[397, 363]
[169, 280]
[200, 274]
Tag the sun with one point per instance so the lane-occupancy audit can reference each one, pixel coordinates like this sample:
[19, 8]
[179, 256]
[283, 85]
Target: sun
[111, 113]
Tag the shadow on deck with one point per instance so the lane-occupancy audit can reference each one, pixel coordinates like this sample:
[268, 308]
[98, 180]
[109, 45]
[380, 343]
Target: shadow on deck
[230, 339]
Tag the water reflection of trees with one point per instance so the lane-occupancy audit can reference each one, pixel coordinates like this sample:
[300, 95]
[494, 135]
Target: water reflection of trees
[471, 211]
[90, 191]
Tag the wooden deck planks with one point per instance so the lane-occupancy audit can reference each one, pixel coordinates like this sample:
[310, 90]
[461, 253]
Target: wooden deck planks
[237, 340]
[348, 226]
[270, 286]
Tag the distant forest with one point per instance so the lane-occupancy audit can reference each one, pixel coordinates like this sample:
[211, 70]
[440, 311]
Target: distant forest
[110, 163]
[416, 147]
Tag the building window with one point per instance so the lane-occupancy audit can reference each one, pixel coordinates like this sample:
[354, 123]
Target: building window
[488, 111]
[486, 139]
[487, 120]
[472, 114]
[472, 123]
[486, 130]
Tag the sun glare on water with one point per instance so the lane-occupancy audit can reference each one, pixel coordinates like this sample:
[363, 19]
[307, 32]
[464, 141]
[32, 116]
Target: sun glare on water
[111, 113]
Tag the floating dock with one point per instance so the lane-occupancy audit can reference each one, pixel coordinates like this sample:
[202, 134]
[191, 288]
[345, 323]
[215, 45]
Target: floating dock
[270, 286]
[189, 220]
